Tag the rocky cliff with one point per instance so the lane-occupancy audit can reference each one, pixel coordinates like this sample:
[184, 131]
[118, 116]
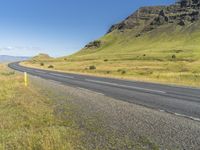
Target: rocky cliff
[149, 18]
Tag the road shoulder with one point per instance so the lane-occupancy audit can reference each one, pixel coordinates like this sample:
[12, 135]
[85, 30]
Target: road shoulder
[103, 119]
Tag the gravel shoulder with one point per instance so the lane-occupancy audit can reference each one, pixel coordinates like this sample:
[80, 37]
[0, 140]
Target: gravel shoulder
[113, 124]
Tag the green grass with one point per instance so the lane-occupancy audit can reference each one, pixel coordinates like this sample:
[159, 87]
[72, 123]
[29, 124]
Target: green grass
[168, 54]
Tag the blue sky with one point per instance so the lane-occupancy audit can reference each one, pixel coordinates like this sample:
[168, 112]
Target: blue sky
[59, 27]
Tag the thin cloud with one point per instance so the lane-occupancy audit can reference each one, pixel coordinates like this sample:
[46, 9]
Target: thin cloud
[20, 48]
[9, 48]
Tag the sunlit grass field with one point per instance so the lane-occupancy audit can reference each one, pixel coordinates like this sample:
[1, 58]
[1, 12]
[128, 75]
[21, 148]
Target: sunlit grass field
[39, 117]
[169, 54]
[27, 119]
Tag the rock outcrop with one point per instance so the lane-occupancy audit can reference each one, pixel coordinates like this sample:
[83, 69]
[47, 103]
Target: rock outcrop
[138, 19]
[149, 18]
[94, 44]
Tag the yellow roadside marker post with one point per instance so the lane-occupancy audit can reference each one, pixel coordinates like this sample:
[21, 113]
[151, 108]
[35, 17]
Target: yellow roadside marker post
[25, 79]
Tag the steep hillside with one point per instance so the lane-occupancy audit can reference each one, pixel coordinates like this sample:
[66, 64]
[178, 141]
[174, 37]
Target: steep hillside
[158, 43]
[153, 29]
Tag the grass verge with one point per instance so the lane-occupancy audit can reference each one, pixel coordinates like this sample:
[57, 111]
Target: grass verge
[35, 117]
[27, 118]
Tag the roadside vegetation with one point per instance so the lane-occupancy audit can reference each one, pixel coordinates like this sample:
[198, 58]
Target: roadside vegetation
[40, 117]
[27, 118]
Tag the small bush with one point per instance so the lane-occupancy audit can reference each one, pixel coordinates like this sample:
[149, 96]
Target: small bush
[105, 60]
[173, 56]
[108, 72]
[144, 55]
[178, 51]
[50, 66]
[123, 72]
[92, 67]
[41, 64]
[119, 70]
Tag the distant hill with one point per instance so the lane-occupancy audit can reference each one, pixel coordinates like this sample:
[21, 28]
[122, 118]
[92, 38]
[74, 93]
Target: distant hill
[6, 58]
[42, 57]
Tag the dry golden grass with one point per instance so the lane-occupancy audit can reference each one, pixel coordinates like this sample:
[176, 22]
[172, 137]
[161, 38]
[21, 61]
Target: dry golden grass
[170, 72]
[37, 118]
[27, 119]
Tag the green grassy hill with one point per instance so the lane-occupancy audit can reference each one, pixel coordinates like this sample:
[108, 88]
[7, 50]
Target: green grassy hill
[159, 45]
[153, 44]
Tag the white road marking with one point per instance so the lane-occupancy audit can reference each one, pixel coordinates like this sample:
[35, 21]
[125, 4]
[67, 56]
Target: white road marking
[162, 110]
[83, 89]
[125, 86]
[39, 71]
[60, 75]
[195, 119]
[185, 116]
[181, 115]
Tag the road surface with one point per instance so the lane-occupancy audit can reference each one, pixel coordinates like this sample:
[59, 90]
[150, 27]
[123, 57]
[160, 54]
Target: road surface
[182, 101]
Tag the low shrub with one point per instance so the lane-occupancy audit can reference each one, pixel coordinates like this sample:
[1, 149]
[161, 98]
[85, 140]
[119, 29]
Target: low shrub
[108, 72]
[50, 66]
[123, 72]
[119, 70]
[173, 56]
[92, 67]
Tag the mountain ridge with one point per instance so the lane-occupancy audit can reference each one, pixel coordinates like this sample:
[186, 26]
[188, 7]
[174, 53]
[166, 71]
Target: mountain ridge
[180, 13]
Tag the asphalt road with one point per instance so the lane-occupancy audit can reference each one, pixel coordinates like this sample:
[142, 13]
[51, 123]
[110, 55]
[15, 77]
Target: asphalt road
[181, 101]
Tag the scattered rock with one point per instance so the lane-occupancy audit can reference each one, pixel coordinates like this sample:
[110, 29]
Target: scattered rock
[181, 23]
[138, 35]
[94, 44]
[162, 13]
[139, 18]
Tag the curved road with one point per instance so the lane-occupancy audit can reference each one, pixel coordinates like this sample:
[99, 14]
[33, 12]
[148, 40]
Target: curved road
[182, 101]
